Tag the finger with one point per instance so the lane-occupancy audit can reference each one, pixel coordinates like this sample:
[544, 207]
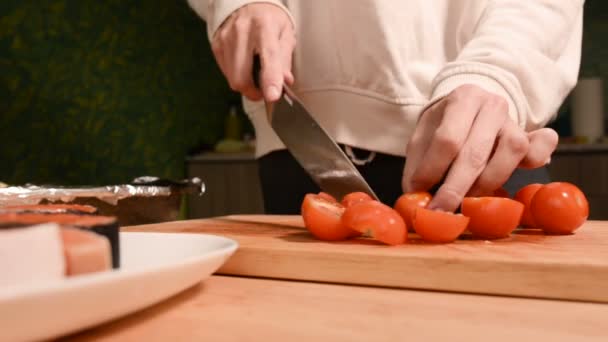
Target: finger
[511, 149]
[447, 140]
[419, 142]
[472, 159]
[217, 47]
[287, 43]
[542, 144]
[271, 58]
[240, 62]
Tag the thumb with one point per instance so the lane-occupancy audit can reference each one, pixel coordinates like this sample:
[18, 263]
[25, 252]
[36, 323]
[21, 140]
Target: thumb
[542, 144]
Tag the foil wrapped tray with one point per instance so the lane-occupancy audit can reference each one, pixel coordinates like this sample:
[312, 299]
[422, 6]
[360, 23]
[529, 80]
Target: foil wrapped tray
[144, 200]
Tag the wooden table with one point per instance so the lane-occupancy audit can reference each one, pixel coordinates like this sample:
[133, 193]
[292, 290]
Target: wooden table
[243, 308]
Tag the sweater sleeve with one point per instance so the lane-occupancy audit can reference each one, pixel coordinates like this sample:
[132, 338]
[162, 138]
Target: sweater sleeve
[526, 51]
[215, 12]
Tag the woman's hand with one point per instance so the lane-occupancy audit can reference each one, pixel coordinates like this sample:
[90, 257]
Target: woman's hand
[262, 29]
[469, 138]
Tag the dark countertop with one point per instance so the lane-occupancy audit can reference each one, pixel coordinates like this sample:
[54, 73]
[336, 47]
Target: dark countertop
[570, 148]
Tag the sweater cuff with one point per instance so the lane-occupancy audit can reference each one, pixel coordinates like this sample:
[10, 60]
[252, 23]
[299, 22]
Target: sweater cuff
[220, 10]
[449, 80]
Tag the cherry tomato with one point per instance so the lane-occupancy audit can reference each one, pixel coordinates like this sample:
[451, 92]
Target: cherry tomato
[327, 196]
[492, 217]
[407, 203]
[323, 218]
[355, 197]
[524, 196]
[377, 220]
[559, 208]
[438, 226]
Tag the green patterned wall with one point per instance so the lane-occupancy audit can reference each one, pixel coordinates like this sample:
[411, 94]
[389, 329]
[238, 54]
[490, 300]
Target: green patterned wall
[97, 92]
[595, 42]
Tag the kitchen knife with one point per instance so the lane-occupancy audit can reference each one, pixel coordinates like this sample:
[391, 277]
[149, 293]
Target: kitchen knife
[311, 146]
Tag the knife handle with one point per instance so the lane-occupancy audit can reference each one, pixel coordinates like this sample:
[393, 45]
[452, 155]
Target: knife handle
[256, 69]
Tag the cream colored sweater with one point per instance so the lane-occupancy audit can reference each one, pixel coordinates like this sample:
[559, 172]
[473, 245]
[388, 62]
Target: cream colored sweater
[366, 68]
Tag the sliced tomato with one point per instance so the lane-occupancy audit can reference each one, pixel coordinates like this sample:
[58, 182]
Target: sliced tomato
[407, 203]
[355, 197]
[439, 226]
[376, 220]
[327, 196]
[323, 218]
[492, 217]
[559, 208]
[524, 196]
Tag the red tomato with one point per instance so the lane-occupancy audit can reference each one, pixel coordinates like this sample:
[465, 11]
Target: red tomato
[376, 219]
[492, 217]
[355, 197]
[524, 196]
[559, 208]
[327, 196]
[407, 203]
[439, 226]
[323, 218]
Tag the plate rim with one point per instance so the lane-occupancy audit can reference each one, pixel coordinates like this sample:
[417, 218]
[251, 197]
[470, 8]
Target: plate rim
[19, 291]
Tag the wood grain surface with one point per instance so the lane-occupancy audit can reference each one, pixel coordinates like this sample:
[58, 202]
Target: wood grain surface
[528, 264]
[246, 309]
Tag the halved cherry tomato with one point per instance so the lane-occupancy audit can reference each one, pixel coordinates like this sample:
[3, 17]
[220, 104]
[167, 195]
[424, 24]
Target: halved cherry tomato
[327, 196]
[524, 196]
[377, 220]
[323, 218]
[492, 217]
[439, 226]
[355, 197]
[559, 208]
[407, 203]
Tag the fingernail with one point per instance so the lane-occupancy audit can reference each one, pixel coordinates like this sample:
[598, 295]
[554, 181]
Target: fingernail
[272, 92]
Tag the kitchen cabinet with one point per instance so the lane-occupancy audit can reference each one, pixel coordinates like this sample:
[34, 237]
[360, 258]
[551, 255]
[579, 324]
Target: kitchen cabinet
[587, 168]
[232, 184]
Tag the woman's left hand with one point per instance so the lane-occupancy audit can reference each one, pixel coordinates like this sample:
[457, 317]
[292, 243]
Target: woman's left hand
[469, 138]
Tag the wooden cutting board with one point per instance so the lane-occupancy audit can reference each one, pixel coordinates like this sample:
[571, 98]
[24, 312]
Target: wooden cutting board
[528, 264]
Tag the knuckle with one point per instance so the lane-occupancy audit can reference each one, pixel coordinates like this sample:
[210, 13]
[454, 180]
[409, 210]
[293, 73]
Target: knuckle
[241, 25]
[448, 141]
[498, 102]
[263, 20]
[518, 143]
[222, 35]
[477, 155]
[269, 52]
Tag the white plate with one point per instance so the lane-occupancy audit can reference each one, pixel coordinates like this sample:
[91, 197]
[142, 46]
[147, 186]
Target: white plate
[154, 267]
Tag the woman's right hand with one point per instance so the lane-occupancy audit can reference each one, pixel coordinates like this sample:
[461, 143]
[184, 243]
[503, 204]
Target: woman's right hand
[262, 29]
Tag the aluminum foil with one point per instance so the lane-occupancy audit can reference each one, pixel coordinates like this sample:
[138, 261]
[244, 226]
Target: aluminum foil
[139, 187]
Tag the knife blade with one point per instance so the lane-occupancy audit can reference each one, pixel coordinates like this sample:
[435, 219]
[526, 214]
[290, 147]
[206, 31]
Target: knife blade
[311, 146]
